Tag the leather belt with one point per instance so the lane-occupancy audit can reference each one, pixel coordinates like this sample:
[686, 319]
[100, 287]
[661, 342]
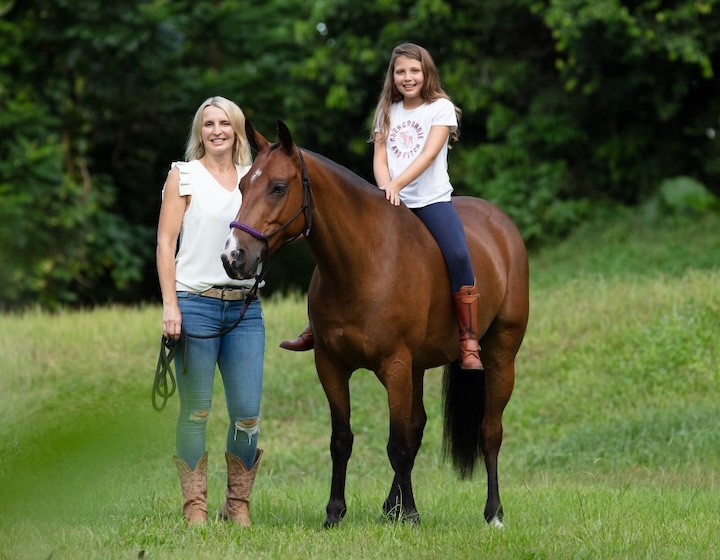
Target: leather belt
[226, 293]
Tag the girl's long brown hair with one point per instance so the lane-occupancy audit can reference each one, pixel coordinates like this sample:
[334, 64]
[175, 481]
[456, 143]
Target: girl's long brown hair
[431, 90]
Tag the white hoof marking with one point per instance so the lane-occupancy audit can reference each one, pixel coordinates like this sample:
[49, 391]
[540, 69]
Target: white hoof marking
[495, 522]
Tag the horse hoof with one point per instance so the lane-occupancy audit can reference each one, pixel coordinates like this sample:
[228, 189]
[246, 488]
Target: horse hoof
[330, 524]
[496, 523]
[412, 519]
[398, 514]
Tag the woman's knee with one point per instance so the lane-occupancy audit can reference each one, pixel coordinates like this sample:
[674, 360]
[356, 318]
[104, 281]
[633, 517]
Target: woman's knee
[249, 426]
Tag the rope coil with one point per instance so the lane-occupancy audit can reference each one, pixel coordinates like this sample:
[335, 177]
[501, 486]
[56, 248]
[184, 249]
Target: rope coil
[164, 385]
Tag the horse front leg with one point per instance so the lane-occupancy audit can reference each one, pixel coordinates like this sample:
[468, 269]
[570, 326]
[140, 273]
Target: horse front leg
[336, 385]
[407, 422]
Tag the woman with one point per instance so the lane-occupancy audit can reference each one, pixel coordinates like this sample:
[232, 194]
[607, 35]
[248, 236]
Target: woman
[200, 198]
[413, 123]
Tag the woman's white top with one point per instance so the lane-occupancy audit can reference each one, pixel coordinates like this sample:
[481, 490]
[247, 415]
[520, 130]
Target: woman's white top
[409, 130]
[205, 228]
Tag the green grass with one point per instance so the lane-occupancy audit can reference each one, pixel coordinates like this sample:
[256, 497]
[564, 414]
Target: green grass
[611, 449]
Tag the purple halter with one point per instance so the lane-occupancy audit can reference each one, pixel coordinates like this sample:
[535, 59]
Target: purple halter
[251, 230]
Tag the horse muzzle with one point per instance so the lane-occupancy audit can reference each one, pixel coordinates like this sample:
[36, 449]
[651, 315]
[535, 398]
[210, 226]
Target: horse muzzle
[239, 263]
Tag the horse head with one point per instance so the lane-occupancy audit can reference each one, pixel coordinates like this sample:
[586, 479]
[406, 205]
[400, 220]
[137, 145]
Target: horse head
[275, 204]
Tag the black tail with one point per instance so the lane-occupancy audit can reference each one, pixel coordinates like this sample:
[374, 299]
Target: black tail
[464, 397]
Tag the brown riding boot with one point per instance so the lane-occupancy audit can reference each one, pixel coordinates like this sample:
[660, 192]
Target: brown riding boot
[193, 483]
[240, 483]
[466, 310]
[304, 342]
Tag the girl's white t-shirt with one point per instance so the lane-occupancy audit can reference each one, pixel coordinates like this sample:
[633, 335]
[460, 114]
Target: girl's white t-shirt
[409, 130]
[205, 228]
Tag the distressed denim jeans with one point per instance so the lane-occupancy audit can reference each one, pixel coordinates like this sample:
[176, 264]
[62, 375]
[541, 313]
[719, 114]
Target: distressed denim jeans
[239, 357]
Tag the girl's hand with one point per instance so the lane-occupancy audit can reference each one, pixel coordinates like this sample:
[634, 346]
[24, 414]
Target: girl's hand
[392, 193]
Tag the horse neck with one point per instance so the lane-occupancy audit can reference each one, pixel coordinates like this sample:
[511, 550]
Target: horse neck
[350, 220]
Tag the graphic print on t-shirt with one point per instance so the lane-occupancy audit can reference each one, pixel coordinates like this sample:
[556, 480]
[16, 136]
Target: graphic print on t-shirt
[406, 138]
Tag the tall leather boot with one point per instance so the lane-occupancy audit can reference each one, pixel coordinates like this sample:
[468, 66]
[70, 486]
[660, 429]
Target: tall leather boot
[240, 483]
[193, 483]
[466, 309]
[304, 342]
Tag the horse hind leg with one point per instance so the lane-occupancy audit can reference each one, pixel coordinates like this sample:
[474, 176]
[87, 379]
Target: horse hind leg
[473, 406]
[499, 383]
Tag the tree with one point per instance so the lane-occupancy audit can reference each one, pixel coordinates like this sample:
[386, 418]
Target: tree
[568, 105]
[70, 66]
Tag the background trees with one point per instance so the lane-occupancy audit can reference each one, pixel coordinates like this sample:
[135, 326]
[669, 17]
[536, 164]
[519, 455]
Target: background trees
[568, 106]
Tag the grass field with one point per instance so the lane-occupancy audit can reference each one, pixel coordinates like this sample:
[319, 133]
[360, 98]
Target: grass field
[611, 449]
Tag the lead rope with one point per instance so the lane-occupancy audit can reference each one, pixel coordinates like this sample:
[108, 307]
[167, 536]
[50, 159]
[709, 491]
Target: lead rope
[161, 388]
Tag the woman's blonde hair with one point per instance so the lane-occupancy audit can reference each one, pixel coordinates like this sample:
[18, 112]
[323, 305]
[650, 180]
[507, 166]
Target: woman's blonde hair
[195, 149]
[432, 89]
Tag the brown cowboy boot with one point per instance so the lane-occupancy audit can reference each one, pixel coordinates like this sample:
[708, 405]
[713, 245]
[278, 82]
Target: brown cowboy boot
[466, 310]
[193, 483]
[240, 483]
[304, 342]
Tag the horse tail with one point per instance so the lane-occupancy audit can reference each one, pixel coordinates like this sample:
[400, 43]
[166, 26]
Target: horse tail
[464, 407]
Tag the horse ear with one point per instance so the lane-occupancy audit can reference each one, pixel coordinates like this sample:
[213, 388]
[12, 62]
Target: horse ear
[256, 140]
[285, 137]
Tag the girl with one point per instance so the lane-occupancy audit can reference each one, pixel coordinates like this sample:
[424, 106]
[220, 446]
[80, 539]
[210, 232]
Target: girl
[413, 123]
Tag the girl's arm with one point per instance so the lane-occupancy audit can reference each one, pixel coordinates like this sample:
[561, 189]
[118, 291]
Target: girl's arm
[380, 162]
[172, 211]
[436, 140]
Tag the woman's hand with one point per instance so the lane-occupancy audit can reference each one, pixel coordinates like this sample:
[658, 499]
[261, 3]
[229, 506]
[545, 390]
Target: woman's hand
[172, 321]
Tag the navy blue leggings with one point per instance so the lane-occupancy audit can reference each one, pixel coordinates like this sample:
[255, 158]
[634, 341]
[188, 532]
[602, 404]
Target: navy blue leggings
[444, 223]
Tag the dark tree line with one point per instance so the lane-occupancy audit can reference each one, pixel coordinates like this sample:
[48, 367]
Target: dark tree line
[569, 106]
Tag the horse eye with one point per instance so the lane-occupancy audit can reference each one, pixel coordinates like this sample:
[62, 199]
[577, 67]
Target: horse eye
[278, 188]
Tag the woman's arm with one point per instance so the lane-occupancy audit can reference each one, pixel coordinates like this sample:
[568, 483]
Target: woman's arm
[172, 211]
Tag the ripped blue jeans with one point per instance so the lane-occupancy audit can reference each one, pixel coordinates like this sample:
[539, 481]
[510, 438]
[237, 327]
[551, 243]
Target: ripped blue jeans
[239, 356]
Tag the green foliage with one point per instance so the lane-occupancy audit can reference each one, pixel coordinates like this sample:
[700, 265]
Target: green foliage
[569, 107]
[634, 77]
[63, 238]
[685, 194]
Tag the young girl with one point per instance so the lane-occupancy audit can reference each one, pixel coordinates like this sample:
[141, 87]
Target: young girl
[414, 120]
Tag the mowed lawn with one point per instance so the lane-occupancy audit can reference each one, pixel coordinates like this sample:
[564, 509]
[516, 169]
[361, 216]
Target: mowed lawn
[611, 447]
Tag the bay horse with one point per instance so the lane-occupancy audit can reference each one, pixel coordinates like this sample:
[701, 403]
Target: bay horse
[379, 299]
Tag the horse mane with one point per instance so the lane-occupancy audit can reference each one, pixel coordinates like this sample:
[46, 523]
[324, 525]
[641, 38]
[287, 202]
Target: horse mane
[349, 177]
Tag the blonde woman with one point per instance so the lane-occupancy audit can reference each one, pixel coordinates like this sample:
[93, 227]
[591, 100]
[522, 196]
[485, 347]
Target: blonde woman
[200, 199]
